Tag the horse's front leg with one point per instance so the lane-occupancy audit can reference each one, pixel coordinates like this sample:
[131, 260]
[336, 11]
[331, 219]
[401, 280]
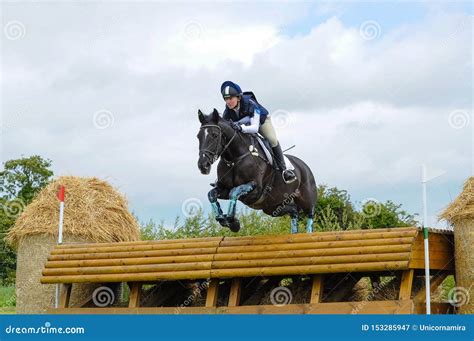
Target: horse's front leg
[235, 194]
[216, 207]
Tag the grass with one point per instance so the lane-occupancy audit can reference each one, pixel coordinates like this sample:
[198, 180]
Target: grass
[8, 310]
[7, 300]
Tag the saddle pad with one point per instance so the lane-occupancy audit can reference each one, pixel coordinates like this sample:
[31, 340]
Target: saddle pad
[268, 154]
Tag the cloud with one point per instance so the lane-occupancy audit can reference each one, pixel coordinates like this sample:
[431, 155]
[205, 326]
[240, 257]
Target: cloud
[364, 113]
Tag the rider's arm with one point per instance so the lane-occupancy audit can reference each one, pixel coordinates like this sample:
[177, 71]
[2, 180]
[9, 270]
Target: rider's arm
[245, 120]
[254, 124]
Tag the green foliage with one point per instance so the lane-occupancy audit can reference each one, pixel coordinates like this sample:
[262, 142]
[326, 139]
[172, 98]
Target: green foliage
[7, 296]
[446, 287]
[20, 181]
[251, 222]
[377, 215]
[333, 211]
[24, 178]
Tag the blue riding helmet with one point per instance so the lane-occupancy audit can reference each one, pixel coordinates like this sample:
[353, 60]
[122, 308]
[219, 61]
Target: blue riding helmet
[229, 89]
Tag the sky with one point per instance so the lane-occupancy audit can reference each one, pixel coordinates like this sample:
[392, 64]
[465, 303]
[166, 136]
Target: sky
[367, 91]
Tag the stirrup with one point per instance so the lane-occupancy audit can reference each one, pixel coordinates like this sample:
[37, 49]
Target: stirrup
[292, 179]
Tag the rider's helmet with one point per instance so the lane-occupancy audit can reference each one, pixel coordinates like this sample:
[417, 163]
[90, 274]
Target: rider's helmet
[229, 89]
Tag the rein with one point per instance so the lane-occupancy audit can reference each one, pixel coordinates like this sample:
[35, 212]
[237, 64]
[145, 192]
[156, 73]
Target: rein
[215, 155]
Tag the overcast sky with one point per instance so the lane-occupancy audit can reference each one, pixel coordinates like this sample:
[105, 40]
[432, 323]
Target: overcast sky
[367, 92]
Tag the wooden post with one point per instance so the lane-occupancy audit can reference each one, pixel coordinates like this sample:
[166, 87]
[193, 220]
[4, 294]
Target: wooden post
[135, 291]
[406, 284]
[317, 289]
[212, 291]
[234, 295]
[65, 295]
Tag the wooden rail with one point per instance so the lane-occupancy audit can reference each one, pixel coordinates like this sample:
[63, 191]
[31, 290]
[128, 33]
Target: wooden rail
[392, 250]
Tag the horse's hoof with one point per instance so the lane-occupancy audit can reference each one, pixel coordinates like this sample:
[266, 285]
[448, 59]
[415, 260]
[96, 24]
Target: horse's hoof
[223, 221]
[234, 226]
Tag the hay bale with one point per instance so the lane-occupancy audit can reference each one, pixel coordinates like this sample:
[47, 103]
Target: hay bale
[32, 297]
[460, 213]
[94, 212]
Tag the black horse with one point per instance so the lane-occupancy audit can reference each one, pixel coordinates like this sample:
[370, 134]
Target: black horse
[245, 174]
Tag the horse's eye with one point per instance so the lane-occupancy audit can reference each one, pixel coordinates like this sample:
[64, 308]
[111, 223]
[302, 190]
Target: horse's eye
[214, 135]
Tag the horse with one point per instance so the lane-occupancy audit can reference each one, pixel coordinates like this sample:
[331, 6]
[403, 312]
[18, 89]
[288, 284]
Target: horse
[244, 174]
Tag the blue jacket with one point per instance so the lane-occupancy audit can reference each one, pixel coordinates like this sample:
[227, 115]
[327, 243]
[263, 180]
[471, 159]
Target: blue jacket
[248, 107]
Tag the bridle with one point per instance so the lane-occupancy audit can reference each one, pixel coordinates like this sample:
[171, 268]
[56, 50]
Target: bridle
[214, 155]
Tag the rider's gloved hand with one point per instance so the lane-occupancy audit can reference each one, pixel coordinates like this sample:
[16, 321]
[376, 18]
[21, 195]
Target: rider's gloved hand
[236, 126]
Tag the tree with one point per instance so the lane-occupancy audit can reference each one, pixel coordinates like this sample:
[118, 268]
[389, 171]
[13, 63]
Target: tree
[334, 210]
[20, 181]
[24, 178]
[379, 215]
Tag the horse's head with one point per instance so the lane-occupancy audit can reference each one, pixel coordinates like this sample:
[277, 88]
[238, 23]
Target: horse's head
[211, 138]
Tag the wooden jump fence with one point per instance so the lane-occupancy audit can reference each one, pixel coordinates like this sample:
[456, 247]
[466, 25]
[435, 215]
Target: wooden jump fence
[378, 252]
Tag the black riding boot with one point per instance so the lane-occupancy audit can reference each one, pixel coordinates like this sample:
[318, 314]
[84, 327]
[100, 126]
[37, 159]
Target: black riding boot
[288, 174]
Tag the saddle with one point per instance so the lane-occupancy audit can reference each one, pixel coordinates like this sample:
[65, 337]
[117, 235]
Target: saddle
[267, 149]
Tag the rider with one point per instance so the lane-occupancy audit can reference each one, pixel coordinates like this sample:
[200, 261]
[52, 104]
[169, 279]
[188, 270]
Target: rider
[248, 116]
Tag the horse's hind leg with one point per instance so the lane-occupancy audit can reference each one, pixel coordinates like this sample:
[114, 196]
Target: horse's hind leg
[309, 223]
[294, 219]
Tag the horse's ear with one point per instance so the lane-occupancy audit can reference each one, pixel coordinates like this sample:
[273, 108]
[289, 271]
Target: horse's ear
[215, 115]
[201, 116]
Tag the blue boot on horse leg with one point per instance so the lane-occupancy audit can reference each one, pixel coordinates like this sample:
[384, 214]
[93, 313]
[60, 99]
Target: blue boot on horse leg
[294, 222]
[216, 207]
[309, 223]
[234, 195]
